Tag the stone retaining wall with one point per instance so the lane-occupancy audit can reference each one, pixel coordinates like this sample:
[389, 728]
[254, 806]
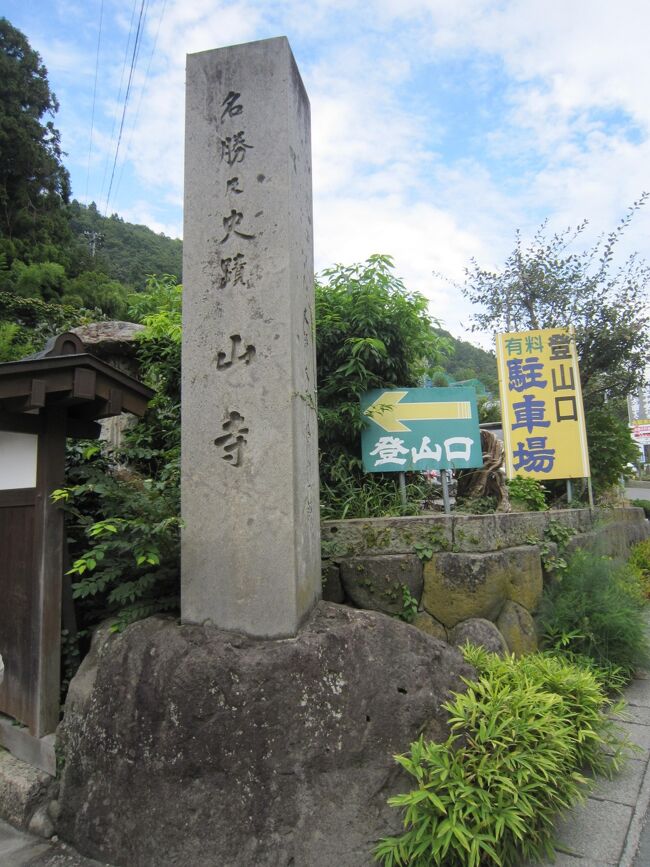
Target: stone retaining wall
[474, 577]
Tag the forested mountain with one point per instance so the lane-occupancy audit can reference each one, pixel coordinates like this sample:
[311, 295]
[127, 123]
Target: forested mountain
[470, 362]
[124, 251]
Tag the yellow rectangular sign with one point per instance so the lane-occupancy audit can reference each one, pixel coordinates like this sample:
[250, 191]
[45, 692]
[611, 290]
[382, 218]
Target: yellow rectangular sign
[544, 432]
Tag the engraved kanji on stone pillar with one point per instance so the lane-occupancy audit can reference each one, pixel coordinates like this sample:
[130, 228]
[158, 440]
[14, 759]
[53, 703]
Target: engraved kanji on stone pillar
[251, 537]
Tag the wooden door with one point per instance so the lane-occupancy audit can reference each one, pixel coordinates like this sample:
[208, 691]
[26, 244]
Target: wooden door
[18, 602]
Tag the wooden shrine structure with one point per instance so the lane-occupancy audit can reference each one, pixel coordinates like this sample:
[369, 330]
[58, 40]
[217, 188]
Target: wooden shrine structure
[58, 393]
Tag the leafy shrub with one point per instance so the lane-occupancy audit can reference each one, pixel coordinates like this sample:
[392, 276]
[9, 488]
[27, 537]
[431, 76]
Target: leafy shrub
[125, 532]
[640, 561]
[351, 496]
[123, 505]
[596, 609]
[530, 492]
[520, 738]
[558, 534]
[611, 447]
[371, 332]
[27, 323]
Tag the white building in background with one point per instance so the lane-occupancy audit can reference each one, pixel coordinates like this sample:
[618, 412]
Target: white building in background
[638, 405]
[638, 413]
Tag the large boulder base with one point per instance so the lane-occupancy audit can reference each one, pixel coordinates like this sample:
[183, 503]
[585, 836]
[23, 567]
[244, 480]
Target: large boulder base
[190, 745]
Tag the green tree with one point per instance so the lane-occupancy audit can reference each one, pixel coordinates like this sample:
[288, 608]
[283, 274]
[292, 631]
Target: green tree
[126, 252]
[547, 284]
[371, 332]
[34, 185]
[467, 361]
[123, 504]
[27, 323]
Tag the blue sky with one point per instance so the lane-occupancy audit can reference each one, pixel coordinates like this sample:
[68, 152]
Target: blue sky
[439, 126]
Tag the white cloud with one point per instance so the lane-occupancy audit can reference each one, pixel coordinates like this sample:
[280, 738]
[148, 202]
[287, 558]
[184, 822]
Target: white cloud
[558, 91]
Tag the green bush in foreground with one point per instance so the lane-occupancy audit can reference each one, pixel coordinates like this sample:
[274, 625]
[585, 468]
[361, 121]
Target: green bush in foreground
[595, 609]
[522, 737]
[529, 492]
[640, 560]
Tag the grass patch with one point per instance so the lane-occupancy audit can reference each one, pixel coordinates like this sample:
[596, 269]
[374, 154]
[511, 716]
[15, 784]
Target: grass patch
[595, 609]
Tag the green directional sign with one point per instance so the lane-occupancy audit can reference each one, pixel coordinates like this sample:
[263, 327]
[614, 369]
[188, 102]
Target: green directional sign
[420, 429]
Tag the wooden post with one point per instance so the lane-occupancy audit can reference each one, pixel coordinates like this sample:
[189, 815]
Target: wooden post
[49, 568]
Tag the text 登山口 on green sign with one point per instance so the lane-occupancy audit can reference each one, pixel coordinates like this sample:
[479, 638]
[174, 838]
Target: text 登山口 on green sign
[420, 429]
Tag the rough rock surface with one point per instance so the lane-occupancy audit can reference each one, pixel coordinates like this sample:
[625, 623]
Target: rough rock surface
[23, 789]
[109, 338]
[461, 586]
[614, 538]
[376, 583]
[430, 625]
[518, 629]
[114, 342]
[355, 536]
[478, 631]
[186, 745]
[331, 580]
[494, 532]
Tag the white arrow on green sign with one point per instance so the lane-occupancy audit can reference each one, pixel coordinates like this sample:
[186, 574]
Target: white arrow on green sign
[420, 429]
[390, 413]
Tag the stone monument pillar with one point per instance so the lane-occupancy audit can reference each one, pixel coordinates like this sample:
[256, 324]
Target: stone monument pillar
[251, 540]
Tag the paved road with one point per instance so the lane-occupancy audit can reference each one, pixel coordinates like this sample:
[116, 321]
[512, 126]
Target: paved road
[638, 494]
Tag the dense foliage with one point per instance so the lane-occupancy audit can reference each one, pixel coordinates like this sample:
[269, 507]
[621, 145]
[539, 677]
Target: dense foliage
[27, 323]
[611, 448]
[123, 504]
[640, 562]
[123, 251]
[522, 738]
[595, 609]
[34, 185]
[467, 361]
[371, 332]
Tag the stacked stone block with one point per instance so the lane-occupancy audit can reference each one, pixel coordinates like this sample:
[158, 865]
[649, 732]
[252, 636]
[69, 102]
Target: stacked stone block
[476, 578]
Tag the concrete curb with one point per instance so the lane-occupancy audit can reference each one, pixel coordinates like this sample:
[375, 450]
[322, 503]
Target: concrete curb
[637, 821]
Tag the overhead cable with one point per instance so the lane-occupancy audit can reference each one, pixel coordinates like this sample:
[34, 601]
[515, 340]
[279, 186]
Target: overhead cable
[92, 115]
[136, 49]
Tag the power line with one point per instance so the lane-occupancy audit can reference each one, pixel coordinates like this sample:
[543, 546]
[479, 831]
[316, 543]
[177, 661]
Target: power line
[136, 49]
[92, 116]
[119, 95]
[146, 77]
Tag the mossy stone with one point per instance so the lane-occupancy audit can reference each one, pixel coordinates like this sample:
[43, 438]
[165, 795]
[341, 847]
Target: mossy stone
[459, 586]
[518, 628]
[430, 625]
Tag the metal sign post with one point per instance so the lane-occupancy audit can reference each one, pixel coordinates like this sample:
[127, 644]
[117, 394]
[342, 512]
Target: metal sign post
[445, 491]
